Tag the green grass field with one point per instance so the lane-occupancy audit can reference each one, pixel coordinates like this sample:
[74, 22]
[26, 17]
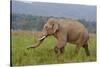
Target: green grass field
[43, 54]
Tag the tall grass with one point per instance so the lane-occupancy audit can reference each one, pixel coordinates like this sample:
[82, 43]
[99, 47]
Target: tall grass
[44, 53]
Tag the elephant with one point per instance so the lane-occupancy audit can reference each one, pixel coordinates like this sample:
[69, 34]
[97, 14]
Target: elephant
[65, 30]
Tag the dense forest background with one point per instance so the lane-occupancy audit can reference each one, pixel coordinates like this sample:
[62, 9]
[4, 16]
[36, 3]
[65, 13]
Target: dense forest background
[35, 23]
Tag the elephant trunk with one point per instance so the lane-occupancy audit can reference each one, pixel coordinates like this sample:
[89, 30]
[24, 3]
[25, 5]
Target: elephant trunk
[44, 35]
[38, 43]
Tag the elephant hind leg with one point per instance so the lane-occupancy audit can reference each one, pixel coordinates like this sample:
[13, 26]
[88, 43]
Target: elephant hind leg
[85, 46]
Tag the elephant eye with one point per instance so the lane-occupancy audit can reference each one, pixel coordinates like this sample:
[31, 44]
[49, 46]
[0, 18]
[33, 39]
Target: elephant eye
[46, 27]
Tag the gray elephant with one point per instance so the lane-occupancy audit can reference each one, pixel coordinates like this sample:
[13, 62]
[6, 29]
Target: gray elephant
[65, 30]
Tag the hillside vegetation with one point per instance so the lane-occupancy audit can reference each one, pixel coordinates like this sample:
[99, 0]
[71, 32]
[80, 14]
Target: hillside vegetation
[35, 23]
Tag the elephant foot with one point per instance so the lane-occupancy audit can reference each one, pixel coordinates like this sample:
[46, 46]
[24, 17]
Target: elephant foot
[59, 50]
[56, 50]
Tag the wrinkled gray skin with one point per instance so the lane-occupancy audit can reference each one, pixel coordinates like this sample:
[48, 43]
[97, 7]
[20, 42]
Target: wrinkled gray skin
[64, 31]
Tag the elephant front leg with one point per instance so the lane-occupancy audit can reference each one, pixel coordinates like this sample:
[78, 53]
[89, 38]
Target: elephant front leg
[59, 48]
[62, 50]
[56, 50]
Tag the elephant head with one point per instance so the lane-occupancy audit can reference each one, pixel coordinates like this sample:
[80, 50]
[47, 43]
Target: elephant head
[50, 28]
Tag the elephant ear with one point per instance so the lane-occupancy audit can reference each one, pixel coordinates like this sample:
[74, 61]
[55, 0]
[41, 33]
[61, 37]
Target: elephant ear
[55, 27]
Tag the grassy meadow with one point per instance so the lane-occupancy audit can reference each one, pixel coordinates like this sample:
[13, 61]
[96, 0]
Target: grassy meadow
[43, 54]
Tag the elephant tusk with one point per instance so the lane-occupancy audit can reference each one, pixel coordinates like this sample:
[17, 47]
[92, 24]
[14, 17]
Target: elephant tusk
[38, 43]
[42, 38]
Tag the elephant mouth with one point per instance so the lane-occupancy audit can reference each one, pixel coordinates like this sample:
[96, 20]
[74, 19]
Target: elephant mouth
[42, 38]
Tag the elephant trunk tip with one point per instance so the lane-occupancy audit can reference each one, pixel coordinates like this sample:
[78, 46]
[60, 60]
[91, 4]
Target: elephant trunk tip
[32, 46]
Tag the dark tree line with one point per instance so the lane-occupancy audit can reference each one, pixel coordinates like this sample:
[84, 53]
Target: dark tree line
[35, 23]
[90, 25]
